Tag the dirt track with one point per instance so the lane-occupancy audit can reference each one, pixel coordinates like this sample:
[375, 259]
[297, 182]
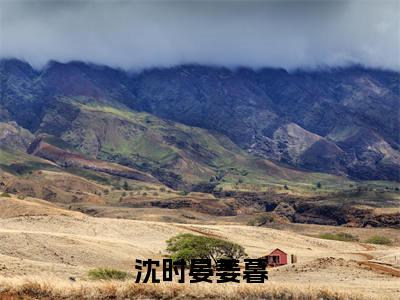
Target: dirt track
[375, 266]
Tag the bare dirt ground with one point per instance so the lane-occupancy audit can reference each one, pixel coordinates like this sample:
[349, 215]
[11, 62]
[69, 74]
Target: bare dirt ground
[39, 239]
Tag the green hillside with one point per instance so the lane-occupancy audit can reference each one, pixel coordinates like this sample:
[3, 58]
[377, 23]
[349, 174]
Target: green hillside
[178, 155]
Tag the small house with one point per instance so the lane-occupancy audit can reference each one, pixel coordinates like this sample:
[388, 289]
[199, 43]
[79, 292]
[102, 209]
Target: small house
[277, 258]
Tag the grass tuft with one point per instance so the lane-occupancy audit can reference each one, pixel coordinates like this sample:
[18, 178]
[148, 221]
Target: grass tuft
[340, 236]
[107, 274]
[379, 240]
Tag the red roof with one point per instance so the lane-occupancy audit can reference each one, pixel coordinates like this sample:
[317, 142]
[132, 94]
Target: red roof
[277, 249]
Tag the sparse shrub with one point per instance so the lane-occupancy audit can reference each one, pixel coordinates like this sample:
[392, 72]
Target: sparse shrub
[261, 219]
[155, 194]
[106, 191]
[162, 189]
[126, 186]
[188, 246]
[285, 187]
[319, 185]
[144, 194]
[340, 236]
[379, 240]
[4, 194]
[218, 189]
[188, 217]
[183, 193]
[107, 274]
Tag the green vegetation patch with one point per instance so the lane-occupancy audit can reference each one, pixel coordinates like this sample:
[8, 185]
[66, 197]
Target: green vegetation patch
[91, 175]
[19, 163]
[58, 142]
[107, 274]
[340, 236]
[379, 240]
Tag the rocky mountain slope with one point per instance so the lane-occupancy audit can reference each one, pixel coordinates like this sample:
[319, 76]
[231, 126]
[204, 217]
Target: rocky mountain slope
[122, 142]
[340, 121]
[121, 163]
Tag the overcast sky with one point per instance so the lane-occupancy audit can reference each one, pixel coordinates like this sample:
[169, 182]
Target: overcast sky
[137, 34]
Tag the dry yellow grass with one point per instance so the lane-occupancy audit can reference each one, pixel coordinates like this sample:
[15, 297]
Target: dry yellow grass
[53, 289]
[13, 207]
[63, 244]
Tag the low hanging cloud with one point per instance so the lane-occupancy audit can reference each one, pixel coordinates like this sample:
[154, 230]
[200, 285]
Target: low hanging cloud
[140, 34]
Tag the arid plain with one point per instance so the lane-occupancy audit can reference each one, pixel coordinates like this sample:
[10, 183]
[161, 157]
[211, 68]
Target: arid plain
[41, 242]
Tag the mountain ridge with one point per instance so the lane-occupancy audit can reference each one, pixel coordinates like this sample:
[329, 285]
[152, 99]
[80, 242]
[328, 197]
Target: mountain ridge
[342, 121]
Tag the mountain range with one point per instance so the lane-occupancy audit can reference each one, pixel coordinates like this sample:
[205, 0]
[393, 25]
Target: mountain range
[193, 123]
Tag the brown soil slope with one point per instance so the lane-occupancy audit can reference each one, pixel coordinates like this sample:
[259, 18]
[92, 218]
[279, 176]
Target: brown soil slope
[12, 207]
[67, 159]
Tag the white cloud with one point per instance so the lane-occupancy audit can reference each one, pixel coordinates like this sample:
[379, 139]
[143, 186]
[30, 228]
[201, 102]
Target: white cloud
[137, 34]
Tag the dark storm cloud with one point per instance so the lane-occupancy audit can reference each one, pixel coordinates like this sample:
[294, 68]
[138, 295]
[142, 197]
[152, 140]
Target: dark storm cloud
[136, 34]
